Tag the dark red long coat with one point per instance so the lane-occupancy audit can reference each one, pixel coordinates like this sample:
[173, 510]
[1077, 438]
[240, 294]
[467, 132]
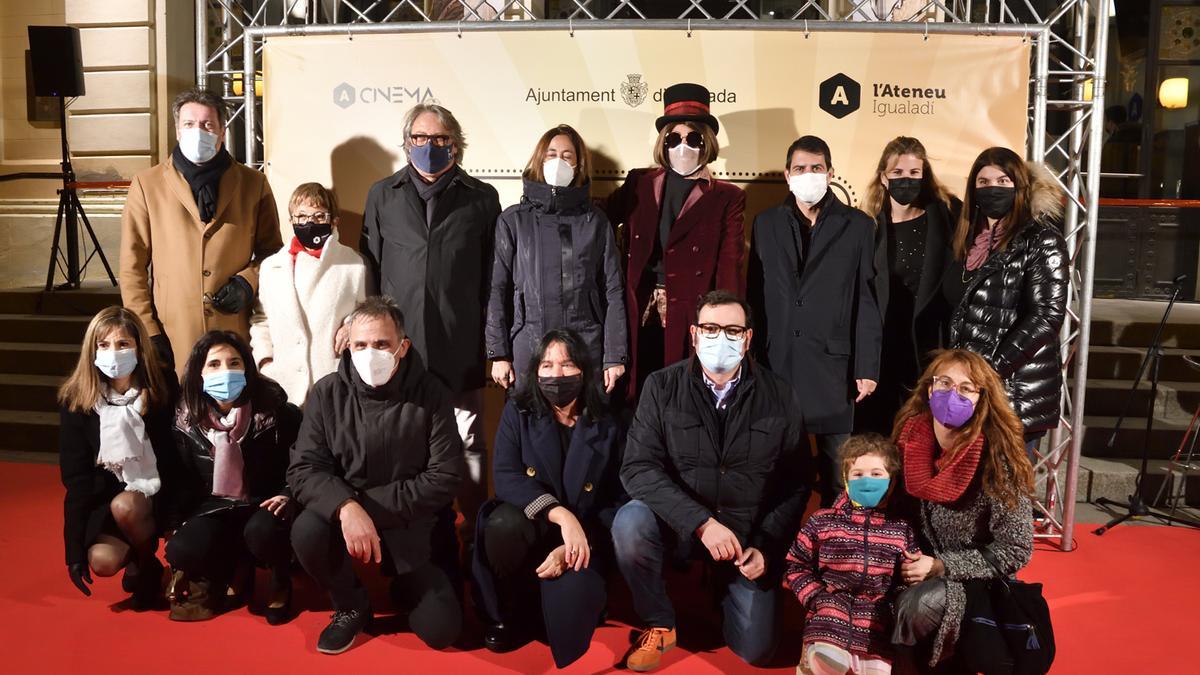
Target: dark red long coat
[704, 252]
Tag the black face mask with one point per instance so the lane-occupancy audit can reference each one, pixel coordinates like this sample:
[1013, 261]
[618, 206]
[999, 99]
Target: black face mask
[995, 201]
[904, 190]
[560, 391]
[313, 235]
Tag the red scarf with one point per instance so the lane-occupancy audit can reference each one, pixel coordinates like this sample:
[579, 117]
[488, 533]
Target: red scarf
[297, 247]
[928, 473]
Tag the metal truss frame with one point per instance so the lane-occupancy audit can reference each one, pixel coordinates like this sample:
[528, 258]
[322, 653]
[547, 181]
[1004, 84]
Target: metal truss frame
[1069, 48]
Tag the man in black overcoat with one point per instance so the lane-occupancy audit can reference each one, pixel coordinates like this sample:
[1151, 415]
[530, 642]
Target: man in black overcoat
[810, 284]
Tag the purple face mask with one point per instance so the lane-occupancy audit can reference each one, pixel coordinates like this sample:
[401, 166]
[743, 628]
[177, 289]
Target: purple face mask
[951, 408]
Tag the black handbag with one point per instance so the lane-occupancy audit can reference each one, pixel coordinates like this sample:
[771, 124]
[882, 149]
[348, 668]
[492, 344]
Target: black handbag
[1006, 628]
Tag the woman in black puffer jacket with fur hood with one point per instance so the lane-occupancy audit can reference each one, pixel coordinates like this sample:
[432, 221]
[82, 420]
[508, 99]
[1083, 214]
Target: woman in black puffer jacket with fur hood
[1008, 282]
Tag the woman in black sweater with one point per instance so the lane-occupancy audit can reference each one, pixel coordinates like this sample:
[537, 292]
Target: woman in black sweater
[915, 217]
[115, 455]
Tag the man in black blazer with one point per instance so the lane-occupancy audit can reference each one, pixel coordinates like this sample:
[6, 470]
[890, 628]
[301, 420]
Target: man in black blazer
[810, 284]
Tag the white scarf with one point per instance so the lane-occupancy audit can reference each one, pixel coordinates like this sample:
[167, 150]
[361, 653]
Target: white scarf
[124, 448]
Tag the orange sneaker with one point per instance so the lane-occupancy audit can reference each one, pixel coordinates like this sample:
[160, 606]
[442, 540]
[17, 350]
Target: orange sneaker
[648, 649]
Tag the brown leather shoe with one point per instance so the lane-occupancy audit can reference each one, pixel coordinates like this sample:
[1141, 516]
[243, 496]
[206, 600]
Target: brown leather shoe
[200, 601]
[648, 649]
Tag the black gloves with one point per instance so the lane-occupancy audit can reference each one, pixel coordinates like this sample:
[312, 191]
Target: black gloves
[81, 576]
[234, 296]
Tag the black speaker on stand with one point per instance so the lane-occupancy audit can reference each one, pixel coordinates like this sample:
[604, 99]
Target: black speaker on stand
[57, 64]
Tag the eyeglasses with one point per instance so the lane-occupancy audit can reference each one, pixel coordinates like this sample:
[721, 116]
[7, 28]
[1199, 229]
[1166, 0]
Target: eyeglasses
[320, 218]
[440, 140]
[944, 383]
[693, 139]
[711, 330]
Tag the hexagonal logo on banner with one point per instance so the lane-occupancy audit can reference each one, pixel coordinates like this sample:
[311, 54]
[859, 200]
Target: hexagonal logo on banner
[343, 96]
[840, 95]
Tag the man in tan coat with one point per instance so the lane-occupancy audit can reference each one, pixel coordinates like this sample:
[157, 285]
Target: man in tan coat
[194, 230]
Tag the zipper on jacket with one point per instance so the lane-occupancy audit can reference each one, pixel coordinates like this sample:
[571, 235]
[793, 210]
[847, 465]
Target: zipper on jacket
[866, 564]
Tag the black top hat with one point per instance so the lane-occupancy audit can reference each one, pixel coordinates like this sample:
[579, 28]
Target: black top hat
[686, 102]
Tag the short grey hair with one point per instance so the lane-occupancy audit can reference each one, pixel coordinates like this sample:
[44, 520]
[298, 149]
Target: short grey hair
[453, 128]
[203, 97]
[378, 307]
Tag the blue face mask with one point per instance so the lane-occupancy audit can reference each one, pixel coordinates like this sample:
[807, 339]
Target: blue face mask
[429, 158]
[867, 491]
[719, 354]
[225, 385]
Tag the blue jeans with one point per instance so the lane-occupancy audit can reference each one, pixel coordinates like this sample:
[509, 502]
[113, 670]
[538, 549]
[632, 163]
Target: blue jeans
[1031, 444]
[642, 541]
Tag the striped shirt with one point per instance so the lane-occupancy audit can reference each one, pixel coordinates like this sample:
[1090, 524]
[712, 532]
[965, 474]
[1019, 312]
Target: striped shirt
[844, 568]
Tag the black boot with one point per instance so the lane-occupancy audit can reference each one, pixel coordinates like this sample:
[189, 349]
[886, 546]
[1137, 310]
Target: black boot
[147, 584]
[279, 604]
[503, 637]
[512, 629]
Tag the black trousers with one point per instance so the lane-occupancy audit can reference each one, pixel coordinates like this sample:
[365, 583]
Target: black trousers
[571, 604]
[651, 347]
[831, 483]
[434, 612]
[209, 546]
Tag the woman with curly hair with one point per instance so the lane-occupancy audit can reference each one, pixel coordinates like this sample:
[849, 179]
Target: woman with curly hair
[963, 456]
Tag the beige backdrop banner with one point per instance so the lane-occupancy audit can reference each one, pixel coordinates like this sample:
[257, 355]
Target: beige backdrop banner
[333, 106]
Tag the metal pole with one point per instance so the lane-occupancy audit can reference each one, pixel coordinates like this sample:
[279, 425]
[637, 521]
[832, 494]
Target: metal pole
[1041, 45]
[1070, 228]
[68, 191]
[249, 116]
[1087, 268]
[1037, 151]
[1036, 31]
[201, 43]
[226, 65]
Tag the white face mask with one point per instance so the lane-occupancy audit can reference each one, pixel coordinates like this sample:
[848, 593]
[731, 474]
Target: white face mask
[809, 187]
[557, 172]
[374, 366]
[684, 159]
[116, 363]
[198, 145]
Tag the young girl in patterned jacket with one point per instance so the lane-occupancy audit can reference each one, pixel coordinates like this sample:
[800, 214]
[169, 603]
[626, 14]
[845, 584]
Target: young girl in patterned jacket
[843, 566]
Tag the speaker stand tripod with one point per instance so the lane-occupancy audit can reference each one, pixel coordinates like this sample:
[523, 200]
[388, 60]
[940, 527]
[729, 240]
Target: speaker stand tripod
[70, 212]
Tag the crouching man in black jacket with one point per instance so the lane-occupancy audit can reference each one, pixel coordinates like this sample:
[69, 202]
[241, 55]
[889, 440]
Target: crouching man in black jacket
[377, 457]
[715, 469]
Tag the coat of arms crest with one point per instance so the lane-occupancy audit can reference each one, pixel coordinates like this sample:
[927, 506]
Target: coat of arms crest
[633, 90]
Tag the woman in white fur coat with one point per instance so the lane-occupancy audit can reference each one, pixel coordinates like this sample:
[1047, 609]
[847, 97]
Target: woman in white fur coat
[304, 292]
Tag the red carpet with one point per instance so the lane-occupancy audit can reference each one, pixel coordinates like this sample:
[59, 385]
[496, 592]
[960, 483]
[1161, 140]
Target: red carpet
[1124, 603]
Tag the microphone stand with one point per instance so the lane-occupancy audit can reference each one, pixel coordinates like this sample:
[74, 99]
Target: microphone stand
[1136, 506]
